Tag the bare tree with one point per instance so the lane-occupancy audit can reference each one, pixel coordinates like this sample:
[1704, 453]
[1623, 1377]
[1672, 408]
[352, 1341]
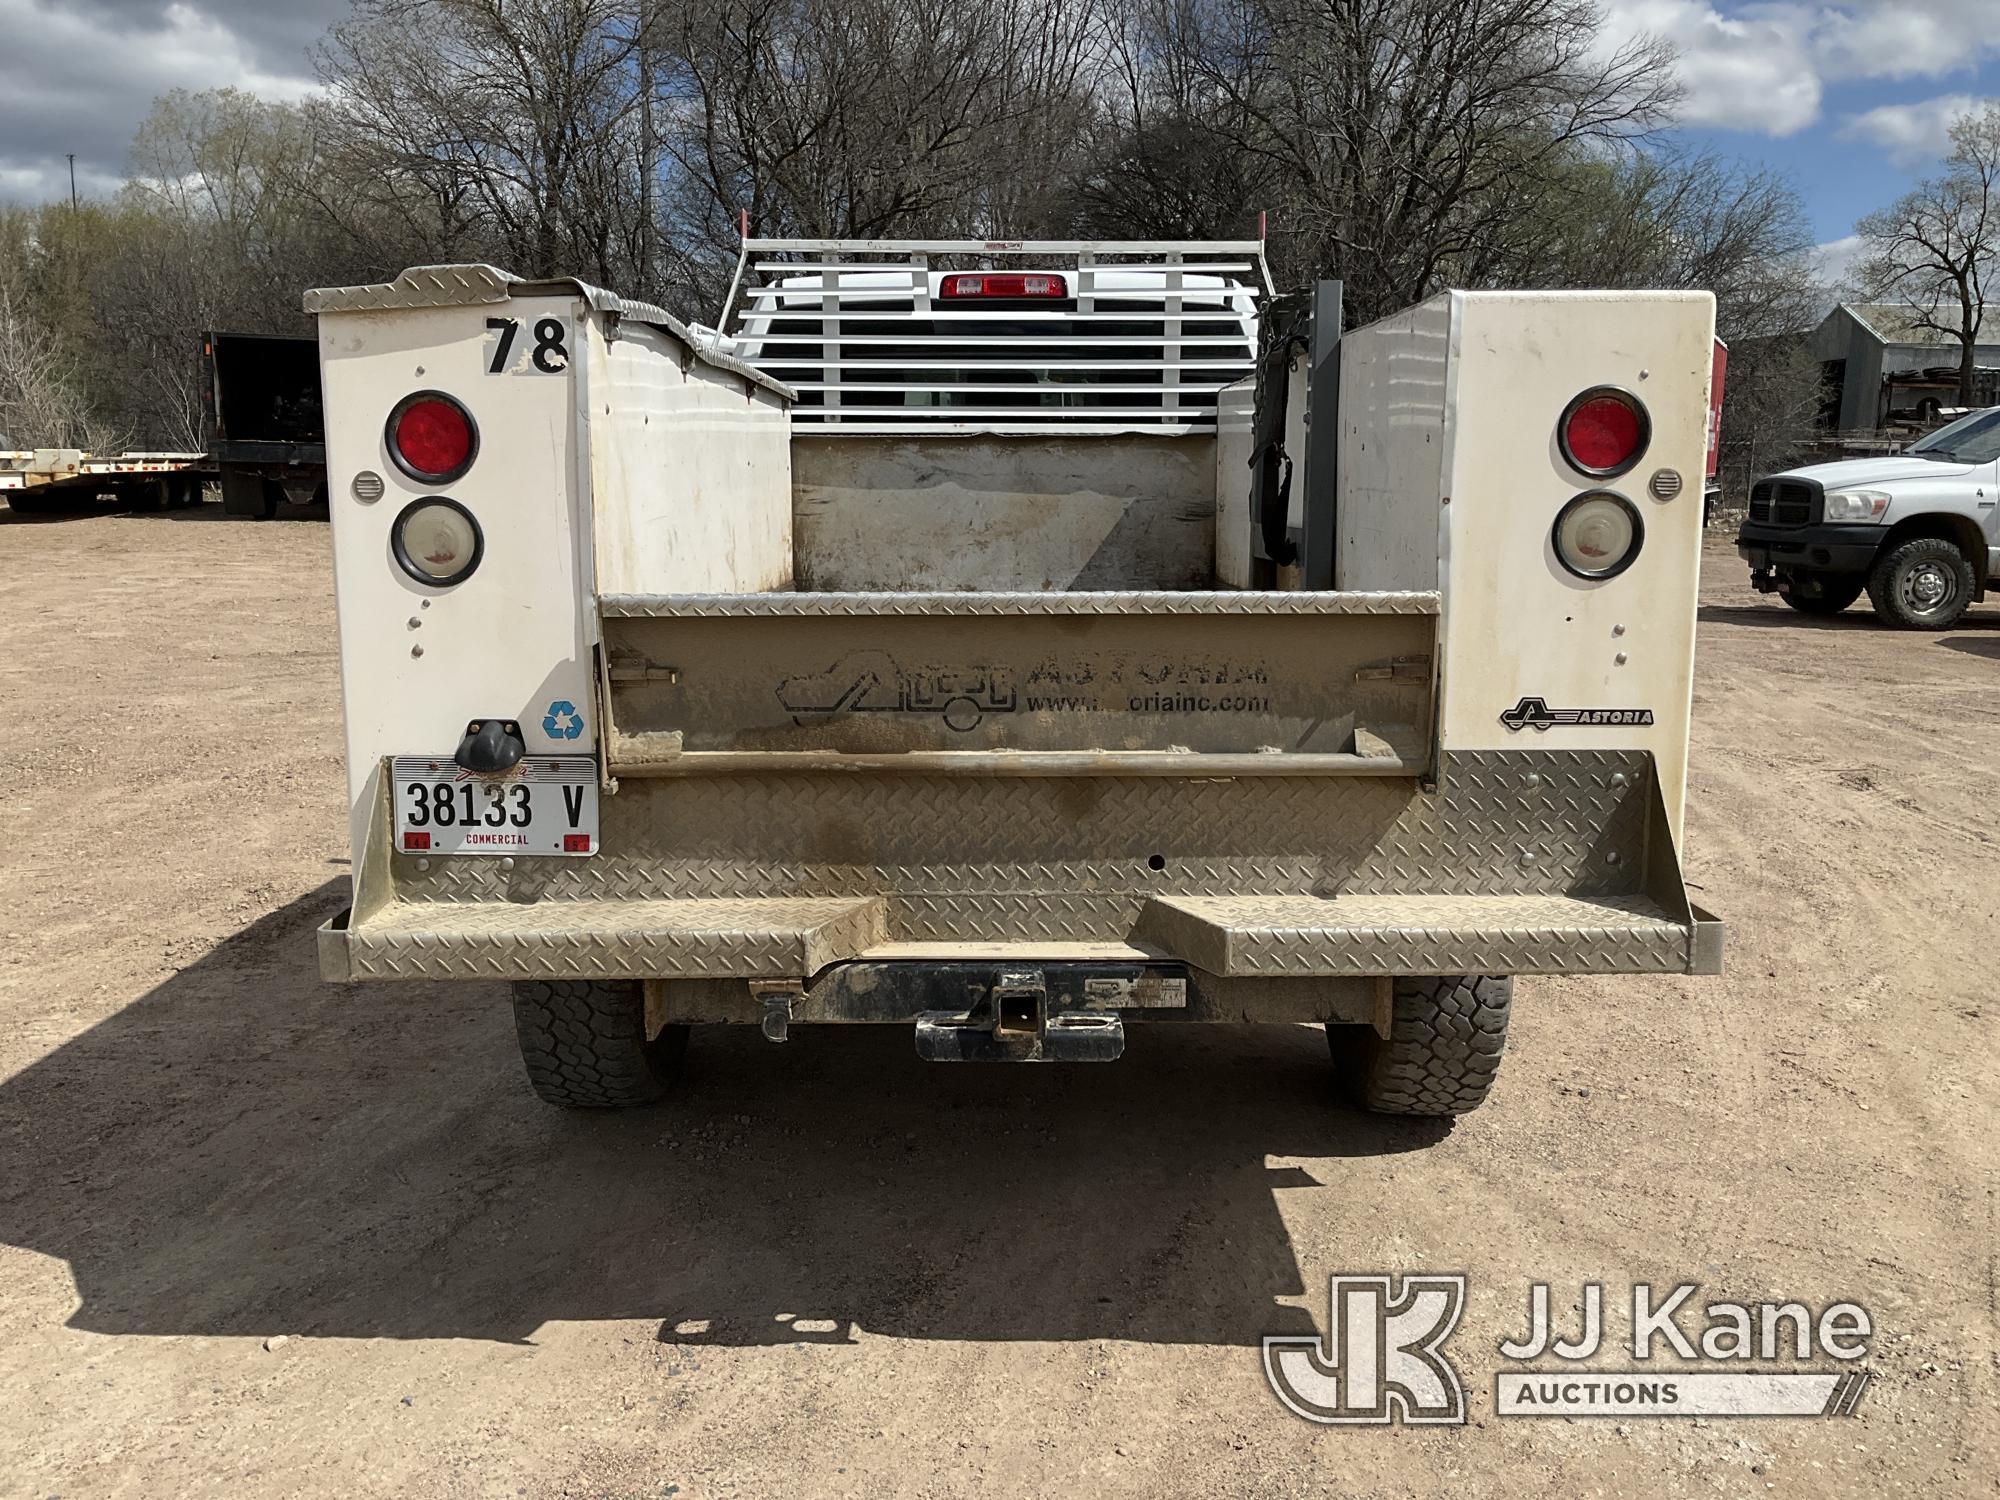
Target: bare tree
[1410, 138]
[1404, 145]
[1166, 160]
[869, 117]
[516, 115]
[42, 400]
[1934, 247]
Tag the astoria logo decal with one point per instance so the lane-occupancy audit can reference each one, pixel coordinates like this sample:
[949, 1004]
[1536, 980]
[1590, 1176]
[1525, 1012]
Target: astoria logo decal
[1535, 713]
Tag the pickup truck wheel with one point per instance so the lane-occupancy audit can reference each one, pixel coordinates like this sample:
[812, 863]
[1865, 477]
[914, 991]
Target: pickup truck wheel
[1444, 1051]
[584, 1044]
[1925, 584]
[1820, 594]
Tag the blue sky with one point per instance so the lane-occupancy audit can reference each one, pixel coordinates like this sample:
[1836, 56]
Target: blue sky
[1840, 172]
[1850, 98]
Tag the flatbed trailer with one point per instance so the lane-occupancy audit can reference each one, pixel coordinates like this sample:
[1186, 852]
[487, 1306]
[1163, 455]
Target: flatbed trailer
[39, 481]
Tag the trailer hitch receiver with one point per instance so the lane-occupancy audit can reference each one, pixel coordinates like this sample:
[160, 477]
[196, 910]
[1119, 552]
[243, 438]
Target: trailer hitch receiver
[1011, 1021]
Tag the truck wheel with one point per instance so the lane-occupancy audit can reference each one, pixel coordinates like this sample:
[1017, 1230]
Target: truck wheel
[1828, 595]
[1444, 1051]
[584, 1043]
[245, 495]
[1925, 584]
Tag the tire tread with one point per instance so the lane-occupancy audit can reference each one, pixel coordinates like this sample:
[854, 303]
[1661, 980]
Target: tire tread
[1447, 1037]
[584, 1046]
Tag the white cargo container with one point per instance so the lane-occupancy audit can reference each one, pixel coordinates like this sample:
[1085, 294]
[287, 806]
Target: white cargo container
[670, 708]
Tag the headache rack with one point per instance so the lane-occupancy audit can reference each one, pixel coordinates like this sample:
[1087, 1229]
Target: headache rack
[877, 337]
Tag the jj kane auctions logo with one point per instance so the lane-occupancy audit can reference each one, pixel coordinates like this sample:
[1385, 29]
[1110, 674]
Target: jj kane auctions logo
[1383, 1359]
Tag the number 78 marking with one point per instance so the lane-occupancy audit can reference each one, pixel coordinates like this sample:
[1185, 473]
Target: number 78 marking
[550, 355]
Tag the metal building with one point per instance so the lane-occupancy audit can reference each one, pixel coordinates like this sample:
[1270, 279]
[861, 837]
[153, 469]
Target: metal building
[1877, 358]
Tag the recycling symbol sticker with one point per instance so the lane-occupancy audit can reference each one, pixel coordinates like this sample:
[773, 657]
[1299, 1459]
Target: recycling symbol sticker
[562, 721]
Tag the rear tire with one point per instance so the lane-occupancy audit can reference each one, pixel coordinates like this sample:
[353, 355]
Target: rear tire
[149, 494]
[584, 1043]
[1444, 1051]
[246, 495]
[1831, 594]
[1924, 584]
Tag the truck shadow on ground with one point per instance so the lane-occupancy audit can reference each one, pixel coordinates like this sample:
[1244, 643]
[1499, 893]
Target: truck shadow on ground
[1777, 613]
[245, 1151]
[1986, 646]
[1857, 617]
[208, 511]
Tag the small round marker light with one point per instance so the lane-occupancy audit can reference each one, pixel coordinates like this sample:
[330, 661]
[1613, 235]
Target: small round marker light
[1598, 535]
[436, 541]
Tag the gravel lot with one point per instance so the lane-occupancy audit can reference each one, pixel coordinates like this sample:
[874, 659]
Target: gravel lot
[262, 1236]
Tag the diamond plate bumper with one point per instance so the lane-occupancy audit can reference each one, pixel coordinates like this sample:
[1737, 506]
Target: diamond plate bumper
[1242, 937]
[1516, 862]
[603, 939]
[1234, 938]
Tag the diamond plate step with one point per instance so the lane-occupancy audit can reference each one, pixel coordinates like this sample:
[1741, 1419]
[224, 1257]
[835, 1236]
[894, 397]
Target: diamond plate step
[723, 939]
[1355, 935]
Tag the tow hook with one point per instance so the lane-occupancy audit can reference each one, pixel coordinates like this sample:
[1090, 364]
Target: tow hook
[1010, 1021]
[776, 997]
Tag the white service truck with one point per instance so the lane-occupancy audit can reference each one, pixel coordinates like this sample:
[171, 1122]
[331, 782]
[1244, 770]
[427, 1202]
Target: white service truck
[951, 683]
[1919, 530]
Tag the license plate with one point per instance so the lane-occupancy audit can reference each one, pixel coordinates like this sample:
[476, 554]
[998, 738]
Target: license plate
[543, 805]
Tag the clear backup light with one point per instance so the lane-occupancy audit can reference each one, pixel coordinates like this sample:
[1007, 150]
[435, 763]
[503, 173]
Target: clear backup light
[1603, 432]
[1856, 505]
[1003, 284]
[436, 541]
[431, 437]
[1598, 535]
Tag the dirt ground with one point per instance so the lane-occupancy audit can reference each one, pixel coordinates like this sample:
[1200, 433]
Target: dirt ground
[262, 1236]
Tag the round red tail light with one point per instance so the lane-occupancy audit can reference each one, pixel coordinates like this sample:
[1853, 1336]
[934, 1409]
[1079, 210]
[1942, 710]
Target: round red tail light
[431, 437]
[1604, 432]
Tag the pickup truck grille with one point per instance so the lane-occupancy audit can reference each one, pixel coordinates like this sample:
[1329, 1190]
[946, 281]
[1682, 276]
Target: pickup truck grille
[1785, 502]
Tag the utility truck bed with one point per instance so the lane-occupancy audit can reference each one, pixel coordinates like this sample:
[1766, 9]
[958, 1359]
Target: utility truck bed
[653, 716]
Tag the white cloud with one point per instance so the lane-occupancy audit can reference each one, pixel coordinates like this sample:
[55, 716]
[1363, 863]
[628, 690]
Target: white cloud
[1837, 260]
[40, 184]
[82, 74]
[1913, 134]
[1763, 66]
[1911, 39]
[1744, 72]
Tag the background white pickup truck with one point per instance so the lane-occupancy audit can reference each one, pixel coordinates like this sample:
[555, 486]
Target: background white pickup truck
[1916, 530]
